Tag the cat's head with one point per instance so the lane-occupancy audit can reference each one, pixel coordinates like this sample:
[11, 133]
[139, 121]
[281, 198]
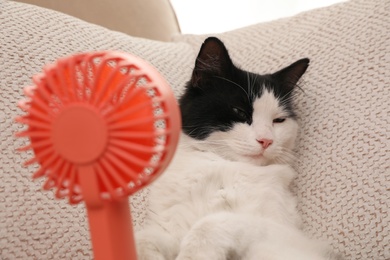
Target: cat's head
[241, 116]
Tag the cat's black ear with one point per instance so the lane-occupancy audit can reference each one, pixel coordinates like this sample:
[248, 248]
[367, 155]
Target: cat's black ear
[289, 76]
[213, 60]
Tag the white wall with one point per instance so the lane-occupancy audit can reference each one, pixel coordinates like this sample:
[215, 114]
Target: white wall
[214, 16]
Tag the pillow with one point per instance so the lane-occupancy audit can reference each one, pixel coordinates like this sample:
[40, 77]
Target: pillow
[343, 150]
[33, 224]
[344, 145]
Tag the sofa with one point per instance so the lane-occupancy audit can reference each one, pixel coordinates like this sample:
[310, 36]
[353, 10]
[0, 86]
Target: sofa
[343, 151]
[141, 18]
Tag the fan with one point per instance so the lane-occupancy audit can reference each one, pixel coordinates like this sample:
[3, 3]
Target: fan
[102, 126]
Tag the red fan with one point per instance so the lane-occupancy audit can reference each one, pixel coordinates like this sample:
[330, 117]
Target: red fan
[102, 126]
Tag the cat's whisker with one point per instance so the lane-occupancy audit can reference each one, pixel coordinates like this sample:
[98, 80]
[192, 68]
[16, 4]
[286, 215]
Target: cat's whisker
[221, 141]
[201, 130]
[244, 146]
[250, 89]
[288, 97]
[236, 84]
[285, 156]
[249, 84]
[252, 85]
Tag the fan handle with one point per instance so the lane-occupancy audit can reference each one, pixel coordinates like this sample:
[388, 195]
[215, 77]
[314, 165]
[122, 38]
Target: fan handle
[110, 222]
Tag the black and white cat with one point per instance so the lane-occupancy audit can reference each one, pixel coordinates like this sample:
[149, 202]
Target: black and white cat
[226, 193]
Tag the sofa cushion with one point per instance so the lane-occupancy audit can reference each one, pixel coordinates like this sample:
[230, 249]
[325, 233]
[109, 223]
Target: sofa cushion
[343, 151]
[33, 224]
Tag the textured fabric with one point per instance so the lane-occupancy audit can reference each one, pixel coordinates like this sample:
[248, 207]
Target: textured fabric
[33, 224]
[344, 148]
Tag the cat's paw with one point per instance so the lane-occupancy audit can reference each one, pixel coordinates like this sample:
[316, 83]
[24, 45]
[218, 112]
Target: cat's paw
[146, 250]
[155, 244]
[190, 254]
[204, 241]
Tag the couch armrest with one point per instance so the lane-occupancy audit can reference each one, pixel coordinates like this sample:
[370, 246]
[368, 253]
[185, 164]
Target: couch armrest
[142, 18]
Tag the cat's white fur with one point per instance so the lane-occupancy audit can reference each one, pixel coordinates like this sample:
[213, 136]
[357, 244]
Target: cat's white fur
[228, 198]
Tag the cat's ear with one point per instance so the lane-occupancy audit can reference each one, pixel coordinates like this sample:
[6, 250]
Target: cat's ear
[213, 60]
[289, 76]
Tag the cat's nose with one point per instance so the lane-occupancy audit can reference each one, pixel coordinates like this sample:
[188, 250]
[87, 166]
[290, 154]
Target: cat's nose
[265, 143]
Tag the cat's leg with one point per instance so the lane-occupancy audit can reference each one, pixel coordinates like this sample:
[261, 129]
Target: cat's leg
[228, 235]
[281, 252]
[153, 243]
[219, 236]
[284, 242]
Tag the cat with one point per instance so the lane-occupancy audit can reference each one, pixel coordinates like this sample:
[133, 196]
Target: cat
[226, 193]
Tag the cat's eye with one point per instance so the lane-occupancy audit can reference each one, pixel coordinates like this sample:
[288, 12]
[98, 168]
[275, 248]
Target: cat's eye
[240, 113]
[279, 120]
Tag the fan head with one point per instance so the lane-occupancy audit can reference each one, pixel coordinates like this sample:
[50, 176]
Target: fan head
[109, 111]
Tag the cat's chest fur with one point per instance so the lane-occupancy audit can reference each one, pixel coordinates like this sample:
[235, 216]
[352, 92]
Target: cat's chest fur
[200, 183]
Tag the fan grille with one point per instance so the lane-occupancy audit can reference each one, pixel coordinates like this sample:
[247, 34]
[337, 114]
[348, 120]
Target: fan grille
[115, 96]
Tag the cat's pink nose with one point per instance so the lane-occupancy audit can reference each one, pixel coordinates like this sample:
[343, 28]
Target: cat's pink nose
[265, 143]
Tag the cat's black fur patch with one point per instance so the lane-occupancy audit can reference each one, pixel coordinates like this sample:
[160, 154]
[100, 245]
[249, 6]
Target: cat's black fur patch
[218, 94]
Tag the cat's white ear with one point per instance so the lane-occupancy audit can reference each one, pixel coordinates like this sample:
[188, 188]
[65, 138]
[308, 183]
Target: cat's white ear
[289, 76]
[213, 59]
